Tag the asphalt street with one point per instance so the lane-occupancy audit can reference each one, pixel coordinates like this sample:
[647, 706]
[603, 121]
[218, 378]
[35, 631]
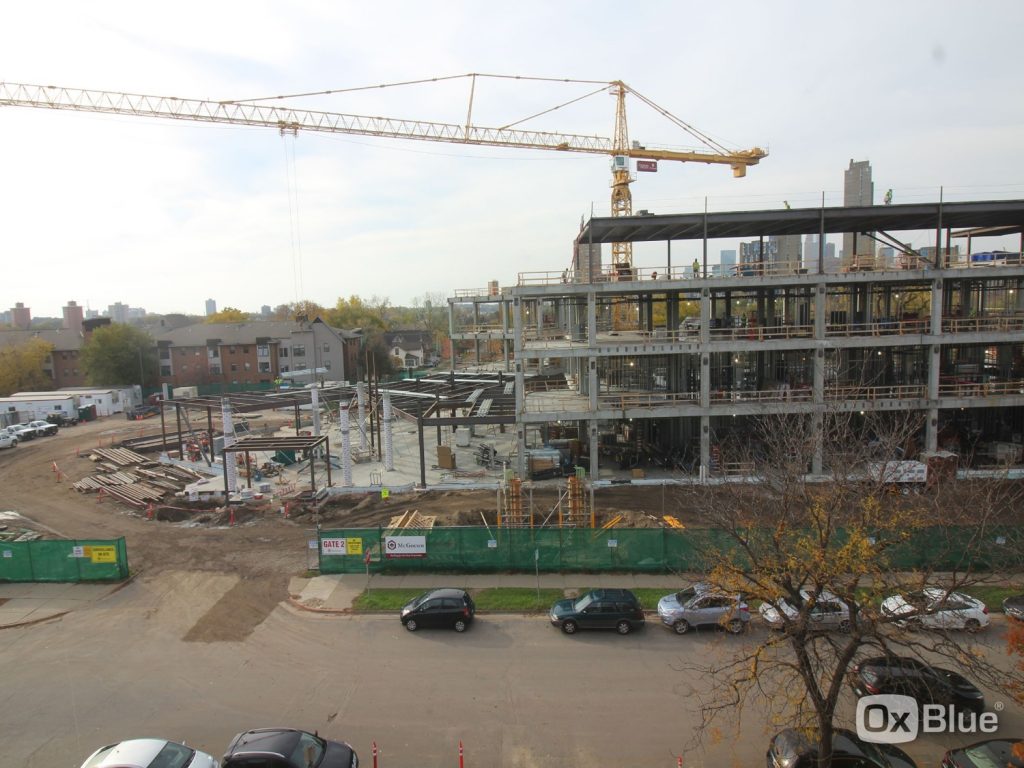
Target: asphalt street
[516, 691]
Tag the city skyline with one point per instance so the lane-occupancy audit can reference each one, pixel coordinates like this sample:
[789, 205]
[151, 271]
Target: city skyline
[157, 212]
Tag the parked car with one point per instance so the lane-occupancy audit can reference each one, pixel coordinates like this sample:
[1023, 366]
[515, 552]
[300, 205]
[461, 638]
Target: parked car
[599, 609]
[149, 753]
[62, 419]
[287, 748]
[22, 431]
[828, 613]
[690, 325]
[699, 606]
[910, 677]
[791, 749]
[1004, 753]
[936, 608]
[43, 427]
[7, 439]
[1013, 607]
[439, 608]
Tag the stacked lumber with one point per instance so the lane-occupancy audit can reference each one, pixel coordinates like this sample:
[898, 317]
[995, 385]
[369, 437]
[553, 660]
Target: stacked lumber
[136, 485]
[411, 520]
[122, 457]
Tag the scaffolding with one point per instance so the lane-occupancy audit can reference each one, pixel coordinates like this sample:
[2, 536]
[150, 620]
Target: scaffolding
[576, 512]
[511, 513]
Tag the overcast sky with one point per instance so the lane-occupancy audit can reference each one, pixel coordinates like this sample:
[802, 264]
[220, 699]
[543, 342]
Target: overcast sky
[164, 214]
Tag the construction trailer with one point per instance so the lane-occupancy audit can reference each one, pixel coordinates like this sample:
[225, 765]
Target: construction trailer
[37, 406]
[935, 333]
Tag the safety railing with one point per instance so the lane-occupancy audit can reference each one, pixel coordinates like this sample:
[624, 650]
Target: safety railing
[880, 327]
[474, 293]
[986, 323]
[892, 392]
[775, 395]
[625, 400]
[979, 389]
[481, 328]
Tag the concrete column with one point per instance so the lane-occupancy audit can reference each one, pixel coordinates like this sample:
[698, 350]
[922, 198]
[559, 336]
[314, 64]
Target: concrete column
[594, 449]
[931, 430]
[591, 319]
[476, 332]
[592, 383]
[504, 333]
[517, 336]
[705, 447]
[346, 447]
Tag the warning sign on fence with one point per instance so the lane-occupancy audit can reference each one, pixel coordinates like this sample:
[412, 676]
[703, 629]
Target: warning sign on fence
[103, 554]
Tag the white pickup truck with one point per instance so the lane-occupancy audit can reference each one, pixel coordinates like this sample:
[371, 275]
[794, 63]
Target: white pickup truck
[902, 475]
[7, 439]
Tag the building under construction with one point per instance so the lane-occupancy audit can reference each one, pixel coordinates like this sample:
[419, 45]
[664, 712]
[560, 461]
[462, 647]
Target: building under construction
[666, 364]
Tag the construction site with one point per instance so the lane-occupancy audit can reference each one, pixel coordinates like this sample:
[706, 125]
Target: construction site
[608, 372]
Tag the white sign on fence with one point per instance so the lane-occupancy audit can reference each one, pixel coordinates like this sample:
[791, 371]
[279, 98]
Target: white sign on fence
[405, 546]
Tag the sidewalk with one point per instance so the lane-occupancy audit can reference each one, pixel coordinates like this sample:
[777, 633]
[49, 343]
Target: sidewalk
[337, 592]
[24, 604]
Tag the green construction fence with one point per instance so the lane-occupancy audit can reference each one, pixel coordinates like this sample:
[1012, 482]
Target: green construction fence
[626, 550]
[64, 560]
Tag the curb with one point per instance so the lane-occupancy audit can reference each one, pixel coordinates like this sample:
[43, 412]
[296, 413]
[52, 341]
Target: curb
[31, 622]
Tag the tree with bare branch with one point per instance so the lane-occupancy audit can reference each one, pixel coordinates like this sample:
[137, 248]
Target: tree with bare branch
[820, 554]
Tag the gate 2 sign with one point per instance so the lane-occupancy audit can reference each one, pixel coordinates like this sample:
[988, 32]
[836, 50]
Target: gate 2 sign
[405, 546]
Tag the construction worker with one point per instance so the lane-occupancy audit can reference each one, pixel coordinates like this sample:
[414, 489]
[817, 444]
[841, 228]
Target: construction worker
[696, 268]
[888, 197]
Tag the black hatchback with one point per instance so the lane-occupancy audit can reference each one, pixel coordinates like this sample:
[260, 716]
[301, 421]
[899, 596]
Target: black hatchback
[444, 608]
[616, 609]
[910, 677]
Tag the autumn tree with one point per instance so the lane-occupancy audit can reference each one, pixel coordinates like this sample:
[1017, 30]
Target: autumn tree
[228, 315]
[794, 541]
[21, 366]
[120, 354]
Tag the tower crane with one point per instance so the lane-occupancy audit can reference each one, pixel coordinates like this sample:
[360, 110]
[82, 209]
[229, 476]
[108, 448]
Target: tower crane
[252, 112]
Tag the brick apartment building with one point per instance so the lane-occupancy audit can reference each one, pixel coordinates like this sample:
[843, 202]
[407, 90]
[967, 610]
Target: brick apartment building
[257, 353]
[62, 365]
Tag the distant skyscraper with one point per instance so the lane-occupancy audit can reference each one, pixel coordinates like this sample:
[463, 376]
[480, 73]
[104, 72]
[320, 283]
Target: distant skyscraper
[73, 317]
[21, 316]
[811, 255]
[858, 189]
[727, 258]
[91, 314]
[211, 307]
[265, 311]
[118, 312]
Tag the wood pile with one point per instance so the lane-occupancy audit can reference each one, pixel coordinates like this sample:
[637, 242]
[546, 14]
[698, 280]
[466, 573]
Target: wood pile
[410, 521]
[134, 479]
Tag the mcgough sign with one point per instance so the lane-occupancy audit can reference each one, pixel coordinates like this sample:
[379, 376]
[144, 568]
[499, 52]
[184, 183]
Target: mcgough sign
[405, 546]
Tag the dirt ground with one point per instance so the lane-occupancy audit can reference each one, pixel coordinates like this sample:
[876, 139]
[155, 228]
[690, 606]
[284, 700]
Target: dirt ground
[264, 548]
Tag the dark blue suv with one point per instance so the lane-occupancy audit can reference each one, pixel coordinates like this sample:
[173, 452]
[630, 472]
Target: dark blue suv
[616, 609]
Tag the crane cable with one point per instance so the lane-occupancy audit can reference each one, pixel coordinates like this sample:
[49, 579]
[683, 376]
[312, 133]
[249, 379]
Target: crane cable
[412, 82]
[291, 184]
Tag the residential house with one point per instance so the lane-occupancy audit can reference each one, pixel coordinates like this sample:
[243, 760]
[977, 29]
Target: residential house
[413, 348]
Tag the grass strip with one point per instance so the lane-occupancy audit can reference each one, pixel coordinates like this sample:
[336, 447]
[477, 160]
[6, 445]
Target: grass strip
[385, 599]
[522, 599]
